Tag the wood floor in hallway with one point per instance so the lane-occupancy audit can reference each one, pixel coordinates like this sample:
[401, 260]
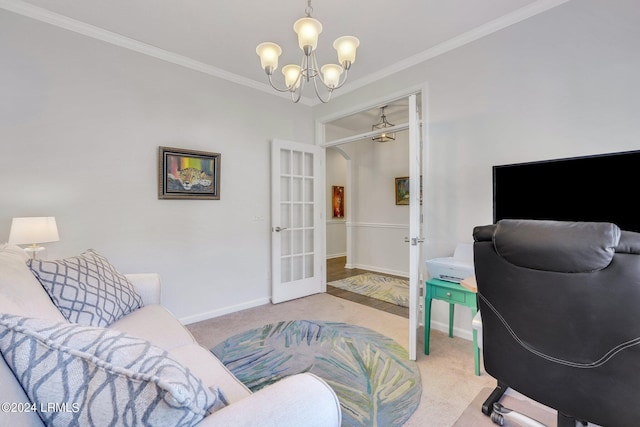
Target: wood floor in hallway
[337, 271]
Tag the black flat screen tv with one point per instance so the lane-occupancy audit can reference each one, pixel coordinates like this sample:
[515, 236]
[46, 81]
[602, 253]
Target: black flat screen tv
[592, 188]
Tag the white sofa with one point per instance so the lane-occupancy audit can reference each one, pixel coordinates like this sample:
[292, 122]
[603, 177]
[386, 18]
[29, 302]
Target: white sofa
[300, 400]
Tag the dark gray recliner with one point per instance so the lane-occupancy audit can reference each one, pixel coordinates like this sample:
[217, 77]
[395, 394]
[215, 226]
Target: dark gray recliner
[560, 306]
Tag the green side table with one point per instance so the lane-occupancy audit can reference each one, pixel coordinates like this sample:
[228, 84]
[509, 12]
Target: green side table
[454, 294]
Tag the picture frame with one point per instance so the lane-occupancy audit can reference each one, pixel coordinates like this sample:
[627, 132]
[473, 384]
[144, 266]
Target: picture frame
[337, 201]
[188, 174]
[402, 190]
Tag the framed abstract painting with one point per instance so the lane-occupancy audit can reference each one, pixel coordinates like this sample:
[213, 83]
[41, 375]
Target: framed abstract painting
[337, 201]
[188, 174]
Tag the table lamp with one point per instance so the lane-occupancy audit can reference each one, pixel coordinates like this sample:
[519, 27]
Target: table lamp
[33, 231]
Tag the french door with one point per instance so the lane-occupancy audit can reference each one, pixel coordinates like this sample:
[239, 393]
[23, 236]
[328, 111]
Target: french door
[297, 227]
[415, 221]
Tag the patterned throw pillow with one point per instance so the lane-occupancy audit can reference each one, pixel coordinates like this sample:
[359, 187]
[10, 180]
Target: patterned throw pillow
[87, 289]
[82, 376]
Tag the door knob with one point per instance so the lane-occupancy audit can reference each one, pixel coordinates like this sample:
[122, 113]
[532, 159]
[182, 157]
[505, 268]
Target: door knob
[278, 229]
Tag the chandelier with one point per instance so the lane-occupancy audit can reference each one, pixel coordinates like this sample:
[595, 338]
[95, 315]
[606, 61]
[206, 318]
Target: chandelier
[381, 126]
[296, 76]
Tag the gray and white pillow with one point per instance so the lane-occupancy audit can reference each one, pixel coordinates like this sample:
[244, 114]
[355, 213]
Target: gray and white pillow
[87, 289]
[80, 376]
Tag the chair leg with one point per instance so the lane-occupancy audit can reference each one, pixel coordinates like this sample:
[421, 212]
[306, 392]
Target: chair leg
[496, 394]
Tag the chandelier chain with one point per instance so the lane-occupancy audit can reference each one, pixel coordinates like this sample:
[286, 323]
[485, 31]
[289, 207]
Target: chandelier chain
[308, 10]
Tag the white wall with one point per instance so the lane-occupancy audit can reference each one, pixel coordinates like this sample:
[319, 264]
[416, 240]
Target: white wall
[379, 226]
[81, 122]
[336, 175]
[560, 84]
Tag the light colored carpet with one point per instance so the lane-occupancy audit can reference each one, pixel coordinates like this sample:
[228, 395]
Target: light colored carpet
[448, 380]
[390, 289]
[371, 374]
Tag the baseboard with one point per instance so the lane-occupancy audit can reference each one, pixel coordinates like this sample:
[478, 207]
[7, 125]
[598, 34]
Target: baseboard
[379, 270]
[457, 332]
[224, 310]
[332, 256]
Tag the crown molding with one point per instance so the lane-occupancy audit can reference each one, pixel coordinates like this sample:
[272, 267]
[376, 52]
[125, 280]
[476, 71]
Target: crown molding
[43, 15]
[40, 14]
[454, 43]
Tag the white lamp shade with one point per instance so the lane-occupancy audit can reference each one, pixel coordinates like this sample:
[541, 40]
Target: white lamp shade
[331, 74]
[346, 47]
[269, 53]
[308, 30]
[32, 230]
[291, 76]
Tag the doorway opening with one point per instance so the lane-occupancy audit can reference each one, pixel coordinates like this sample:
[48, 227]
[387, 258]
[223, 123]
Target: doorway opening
[382, 224]
[374, 271]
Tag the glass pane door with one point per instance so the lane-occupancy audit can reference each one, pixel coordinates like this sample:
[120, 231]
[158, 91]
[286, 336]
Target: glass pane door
[296, 212]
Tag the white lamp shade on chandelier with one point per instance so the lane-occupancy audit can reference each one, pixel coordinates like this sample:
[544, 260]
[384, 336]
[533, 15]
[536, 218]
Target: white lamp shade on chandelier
[269, 54]
[331, 74]
[291, 74]
[33, 231]
[308, 29]
[346, 47]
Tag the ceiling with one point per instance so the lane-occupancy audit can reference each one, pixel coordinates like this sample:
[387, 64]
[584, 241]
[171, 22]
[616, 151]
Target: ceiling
[223, 35]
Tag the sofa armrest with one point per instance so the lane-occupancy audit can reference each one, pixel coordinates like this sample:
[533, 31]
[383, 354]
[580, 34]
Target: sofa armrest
[298, 400]
[147, 285]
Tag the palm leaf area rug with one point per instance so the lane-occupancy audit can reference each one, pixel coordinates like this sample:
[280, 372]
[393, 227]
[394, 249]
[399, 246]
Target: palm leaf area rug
[375, 381]
[390, 289]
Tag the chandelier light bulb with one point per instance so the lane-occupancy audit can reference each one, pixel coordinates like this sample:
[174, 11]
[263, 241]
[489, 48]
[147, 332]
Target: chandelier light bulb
[291, 76]
[269, 53]
[308, 30]
[331, 74]
[346, 47]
